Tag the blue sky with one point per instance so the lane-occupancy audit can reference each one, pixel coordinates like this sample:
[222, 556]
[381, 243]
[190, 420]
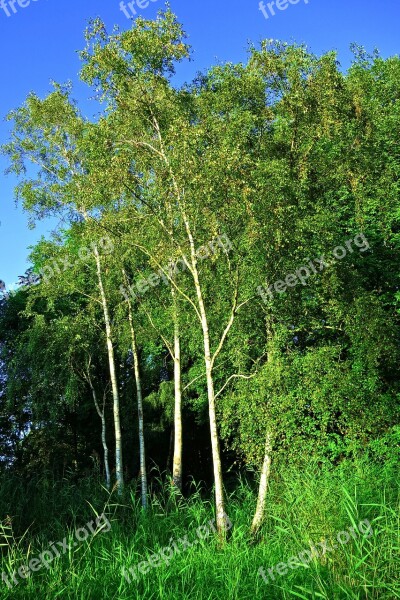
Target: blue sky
[38, 43]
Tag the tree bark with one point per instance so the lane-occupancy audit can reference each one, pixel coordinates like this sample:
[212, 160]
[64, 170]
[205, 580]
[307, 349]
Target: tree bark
[142, 450]
[105, 450]
[177, 461]
[221, 517]
[114, 386]
[103, 435]
[263, 487]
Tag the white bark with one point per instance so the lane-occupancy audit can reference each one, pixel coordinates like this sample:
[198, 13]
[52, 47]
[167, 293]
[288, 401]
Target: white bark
[103, 434]
[177, 461]
[263, 487]
[176, 431]
[105, 450]
[142, 450]
[221, 519]
[113, 377]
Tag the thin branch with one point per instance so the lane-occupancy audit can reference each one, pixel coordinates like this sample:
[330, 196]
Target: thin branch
[229, 324]
[237, 375]
[164, 339]
[145, 251]
[143, 144]
[203, 375]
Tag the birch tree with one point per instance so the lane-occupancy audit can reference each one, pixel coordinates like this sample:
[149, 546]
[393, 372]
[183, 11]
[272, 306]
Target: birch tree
[50, 136]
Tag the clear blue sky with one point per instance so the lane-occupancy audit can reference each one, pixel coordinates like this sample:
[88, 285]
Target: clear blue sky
[38, 43]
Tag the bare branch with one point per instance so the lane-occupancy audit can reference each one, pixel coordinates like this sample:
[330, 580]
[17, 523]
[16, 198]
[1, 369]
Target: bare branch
[229, 324]
[236, 375]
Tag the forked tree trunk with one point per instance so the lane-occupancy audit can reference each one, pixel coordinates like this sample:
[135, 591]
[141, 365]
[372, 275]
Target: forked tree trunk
[177, 461]
[142, 450]
[263, 488]
[103, 434]
[114, 386]
[221, 517]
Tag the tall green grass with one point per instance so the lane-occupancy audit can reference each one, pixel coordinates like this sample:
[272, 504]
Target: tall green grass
[302, 506]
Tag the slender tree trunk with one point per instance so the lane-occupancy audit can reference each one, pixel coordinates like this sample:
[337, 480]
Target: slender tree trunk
[221, 517]
[177, 461]
[259, 514]
[222, 525]
[114, 386]
[105, 449]
[142, 452]
[103, 435]
[263, 488]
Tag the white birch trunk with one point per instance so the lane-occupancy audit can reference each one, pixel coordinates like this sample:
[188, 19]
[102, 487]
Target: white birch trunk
[221, 517]
[103, 435]
[113, 377]
[177, 461]
[105, 451]
[263, 488]
[142, 450]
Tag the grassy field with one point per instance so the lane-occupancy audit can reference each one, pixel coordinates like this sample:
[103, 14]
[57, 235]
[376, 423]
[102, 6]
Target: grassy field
[174, 554]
